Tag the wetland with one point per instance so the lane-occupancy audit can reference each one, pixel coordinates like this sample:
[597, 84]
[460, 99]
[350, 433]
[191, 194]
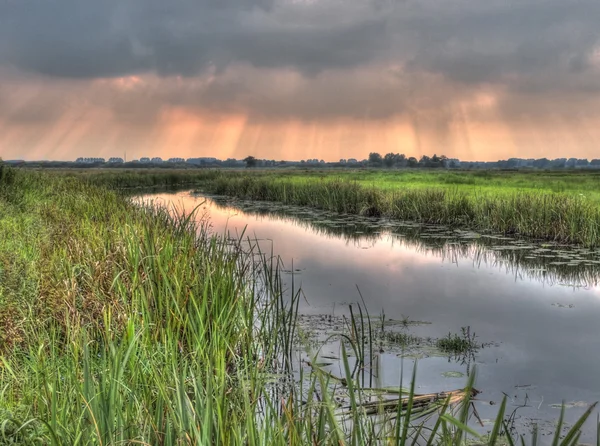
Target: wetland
[522, 312]
[131, 316]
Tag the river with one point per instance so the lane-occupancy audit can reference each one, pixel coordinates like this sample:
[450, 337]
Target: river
[533, 307]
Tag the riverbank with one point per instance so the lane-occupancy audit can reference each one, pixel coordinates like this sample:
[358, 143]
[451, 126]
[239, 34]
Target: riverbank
[561, 217]
[563, 207]
[126, 325]
[123, 324]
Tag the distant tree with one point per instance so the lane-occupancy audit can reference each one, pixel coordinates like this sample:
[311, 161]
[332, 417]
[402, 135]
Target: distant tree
[438, 161]
[394, 159]
[250, 161]
[595, 162]
[508, 164]
[412, 162]
[541, 163]
[401, 159]
[389, 159]
[375, 159]
[425, 161]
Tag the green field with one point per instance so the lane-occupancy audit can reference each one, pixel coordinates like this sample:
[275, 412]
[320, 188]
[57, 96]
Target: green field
[574, 182]
[130, 325]
[585, 182]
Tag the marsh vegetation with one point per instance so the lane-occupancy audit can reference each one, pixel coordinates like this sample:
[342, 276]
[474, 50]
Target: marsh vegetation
[129, 324]
[563, 217]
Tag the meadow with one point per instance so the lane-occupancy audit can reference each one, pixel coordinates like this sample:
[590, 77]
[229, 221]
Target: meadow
[575, 182]
[123, 324]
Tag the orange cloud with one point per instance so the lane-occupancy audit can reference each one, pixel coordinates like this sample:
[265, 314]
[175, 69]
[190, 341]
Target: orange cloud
[45, 118]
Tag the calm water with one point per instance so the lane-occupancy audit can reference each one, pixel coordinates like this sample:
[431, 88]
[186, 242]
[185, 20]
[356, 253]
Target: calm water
[536, 307]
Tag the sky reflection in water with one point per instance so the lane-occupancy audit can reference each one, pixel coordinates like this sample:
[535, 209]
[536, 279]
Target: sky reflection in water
[545, 329]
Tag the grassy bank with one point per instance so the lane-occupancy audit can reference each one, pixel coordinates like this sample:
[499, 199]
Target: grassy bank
[126, 325]
[569, 182]
[575, 182]
[139, 178]
[557, 206]
[558, 216]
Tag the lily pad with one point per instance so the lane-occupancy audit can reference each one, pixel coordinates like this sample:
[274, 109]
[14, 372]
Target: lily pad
[453, 374]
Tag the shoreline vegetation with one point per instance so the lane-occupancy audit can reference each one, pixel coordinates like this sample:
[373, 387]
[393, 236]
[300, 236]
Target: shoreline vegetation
[564, 218]
[562, 207]
[123, 324]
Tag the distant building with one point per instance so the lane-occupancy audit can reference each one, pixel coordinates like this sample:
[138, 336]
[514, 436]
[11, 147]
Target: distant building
[90, 160]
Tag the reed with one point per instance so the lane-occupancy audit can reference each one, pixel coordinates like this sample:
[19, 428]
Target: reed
[565, 218]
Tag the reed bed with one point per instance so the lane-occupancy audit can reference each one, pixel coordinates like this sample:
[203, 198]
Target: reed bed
[565, 218]
[139, 178]
[123, 324]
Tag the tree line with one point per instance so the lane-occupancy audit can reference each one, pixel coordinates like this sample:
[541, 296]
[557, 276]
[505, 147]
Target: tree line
[400, 160]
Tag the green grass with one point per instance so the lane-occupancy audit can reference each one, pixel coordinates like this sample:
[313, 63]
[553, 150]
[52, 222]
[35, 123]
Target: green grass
[127, 325]
[582, 182]
[566, 217]
[123, 324]
[561, 206]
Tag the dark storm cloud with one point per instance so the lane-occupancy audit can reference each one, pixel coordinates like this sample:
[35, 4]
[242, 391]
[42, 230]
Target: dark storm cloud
[73, 38]
[510, 42]
[369, 58]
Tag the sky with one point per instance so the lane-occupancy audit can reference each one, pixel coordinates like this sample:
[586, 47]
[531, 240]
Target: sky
[298, 79]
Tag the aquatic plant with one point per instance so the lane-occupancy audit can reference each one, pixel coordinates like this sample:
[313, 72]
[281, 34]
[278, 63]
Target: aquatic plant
[458, 344]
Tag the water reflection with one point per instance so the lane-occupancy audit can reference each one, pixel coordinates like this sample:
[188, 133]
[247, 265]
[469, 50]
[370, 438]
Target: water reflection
[536, 303]
[539, 260]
